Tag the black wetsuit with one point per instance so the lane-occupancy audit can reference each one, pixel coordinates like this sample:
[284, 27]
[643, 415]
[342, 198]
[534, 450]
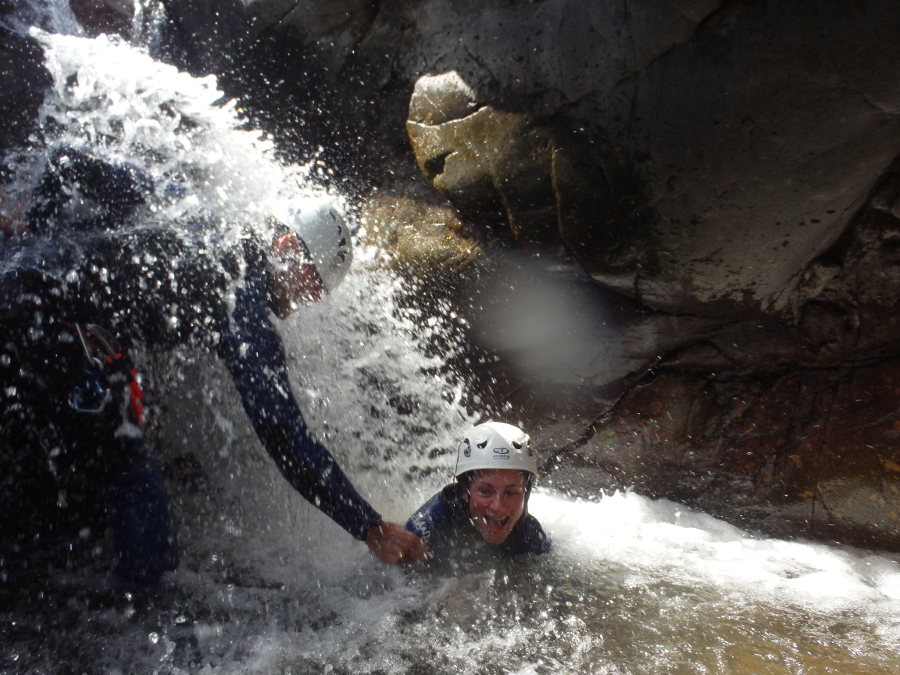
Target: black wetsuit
[443, 523]
[168, 287]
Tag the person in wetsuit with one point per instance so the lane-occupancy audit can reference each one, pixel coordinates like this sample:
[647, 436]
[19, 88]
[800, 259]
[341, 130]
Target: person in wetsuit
[72, 447]
[486, 510]
[161, 287]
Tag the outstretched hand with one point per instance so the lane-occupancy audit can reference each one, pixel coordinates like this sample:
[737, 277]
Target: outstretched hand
[392, 544]
[12, 211]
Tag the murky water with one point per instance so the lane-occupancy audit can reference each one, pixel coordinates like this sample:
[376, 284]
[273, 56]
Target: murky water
[268, 584]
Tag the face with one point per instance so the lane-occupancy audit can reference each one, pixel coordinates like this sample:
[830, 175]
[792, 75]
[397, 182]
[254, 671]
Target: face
[295, 281]
[496, 502]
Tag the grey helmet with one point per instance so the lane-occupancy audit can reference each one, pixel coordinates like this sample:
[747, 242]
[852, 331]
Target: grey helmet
[322, 228]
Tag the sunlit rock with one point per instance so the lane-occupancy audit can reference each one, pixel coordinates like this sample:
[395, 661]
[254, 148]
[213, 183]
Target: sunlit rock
[421, 240]
[490, 164]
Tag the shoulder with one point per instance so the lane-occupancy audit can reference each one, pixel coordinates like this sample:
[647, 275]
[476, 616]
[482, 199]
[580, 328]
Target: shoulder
[439, 513]
[529, 537]
[431, 515]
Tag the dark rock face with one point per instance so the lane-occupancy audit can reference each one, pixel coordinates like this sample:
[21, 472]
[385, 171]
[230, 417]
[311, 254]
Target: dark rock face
[104, 16]
[23, 80]
[706, 175]
[722, 178]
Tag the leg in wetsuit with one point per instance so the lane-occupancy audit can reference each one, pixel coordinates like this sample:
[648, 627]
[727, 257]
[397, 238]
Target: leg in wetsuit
[72, 449]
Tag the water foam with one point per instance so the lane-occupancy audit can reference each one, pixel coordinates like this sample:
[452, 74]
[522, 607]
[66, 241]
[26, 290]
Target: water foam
[659, 537]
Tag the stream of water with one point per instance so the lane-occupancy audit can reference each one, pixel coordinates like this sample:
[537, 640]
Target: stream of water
[267, 584]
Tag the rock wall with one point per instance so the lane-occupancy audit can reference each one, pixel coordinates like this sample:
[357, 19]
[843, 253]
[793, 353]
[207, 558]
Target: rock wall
[23, 80]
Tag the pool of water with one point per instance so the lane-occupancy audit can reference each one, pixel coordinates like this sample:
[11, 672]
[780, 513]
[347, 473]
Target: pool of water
[633, 586]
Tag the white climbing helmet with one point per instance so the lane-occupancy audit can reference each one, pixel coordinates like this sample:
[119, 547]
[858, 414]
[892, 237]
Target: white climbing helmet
[322, 228]
[495, 445]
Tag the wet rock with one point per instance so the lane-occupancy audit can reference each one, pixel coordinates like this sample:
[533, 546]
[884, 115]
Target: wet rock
[310, 39]
[816, 449]
[422, 241]
[23, 81]
[104, 16]
[207, 36]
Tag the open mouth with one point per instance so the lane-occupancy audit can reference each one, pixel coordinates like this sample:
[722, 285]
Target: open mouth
[496, 524]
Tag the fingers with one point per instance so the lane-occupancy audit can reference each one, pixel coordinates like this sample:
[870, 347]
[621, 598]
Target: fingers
[414, 551]
[392, 544]
[417, 552]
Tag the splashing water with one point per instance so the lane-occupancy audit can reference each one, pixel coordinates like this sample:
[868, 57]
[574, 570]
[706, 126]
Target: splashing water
[268, 584]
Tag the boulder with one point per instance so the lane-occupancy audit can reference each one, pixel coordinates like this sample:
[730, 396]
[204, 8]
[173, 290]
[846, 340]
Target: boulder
[421, 240]
[489, 163]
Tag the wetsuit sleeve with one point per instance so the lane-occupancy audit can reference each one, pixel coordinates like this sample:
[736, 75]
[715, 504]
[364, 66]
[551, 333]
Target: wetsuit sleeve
[529, 537]
[254, 353]
[117, 190]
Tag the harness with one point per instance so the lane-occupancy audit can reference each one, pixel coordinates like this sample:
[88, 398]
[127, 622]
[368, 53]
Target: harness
[107, 368]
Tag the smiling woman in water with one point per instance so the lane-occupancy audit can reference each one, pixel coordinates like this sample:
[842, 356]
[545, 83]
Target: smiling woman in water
[486, 509]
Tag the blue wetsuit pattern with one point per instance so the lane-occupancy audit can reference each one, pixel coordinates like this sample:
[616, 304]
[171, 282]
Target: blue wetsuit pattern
[443, 523]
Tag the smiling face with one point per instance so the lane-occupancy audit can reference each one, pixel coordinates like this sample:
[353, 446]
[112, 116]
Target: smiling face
[295, 281]
[496, 502]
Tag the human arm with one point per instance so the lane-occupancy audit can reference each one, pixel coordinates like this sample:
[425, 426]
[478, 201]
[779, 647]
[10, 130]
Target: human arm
[116, 189]
[255, 356]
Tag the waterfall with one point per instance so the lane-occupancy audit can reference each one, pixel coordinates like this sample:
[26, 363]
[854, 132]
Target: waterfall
[269, 584]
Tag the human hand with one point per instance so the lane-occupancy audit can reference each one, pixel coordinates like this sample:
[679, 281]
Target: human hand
[392, 544]
[12, 220]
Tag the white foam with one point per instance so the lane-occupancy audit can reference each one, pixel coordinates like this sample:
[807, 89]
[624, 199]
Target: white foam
[659, 537]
